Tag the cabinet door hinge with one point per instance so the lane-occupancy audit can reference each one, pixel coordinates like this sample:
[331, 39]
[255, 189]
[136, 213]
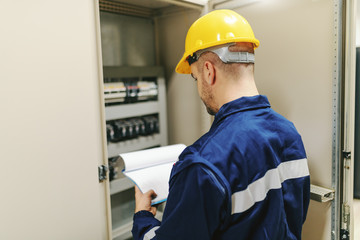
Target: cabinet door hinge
[344, 231]
[102, 172]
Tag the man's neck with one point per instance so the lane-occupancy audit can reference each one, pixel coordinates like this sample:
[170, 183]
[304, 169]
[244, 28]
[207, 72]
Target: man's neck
[229, 92]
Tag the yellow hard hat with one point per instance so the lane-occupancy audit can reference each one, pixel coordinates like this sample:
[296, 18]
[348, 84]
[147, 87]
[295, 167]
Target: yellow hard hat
[215, 28]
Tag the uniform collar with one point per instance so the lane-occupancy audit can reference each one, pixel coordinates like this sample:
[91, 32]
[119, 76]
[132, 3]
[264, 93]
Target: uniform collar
[241, 104]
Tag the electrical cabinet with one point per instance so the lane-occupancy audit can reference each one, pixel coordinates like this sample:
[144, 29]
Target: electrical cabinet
[135, 112]
[134, 94]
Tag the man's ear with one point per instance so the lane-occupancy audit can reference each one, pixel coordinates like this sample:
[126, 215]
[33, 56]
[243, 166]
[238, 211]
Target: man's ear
[209, 73]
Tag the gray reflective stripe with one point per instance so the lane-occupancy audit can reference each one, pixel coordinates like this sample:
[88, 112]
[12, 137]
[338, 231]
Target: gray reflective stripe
[151, 233]
[239, 57]
[234, 57]
[273, 178]
[229, 57]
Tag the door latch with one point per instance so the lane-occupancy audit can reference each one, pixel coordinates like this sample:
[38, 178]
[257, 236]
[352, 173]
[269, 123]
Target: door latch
[346, 154]
[102, 172]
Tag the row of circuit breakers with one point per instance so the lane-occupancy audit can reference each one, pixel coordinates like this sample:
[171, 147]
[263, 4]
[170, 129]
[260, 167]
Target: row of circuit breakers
[130, 128]
[129, 90]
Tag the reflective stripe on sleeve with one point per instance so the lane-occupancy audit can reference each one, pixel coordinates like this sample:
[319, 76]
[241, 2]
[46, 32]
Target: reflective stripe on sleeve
[273, 178]
[151, 233]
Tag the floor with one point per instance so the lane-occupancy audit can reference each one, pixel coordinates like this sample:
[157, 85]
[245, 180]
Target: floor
[356, 205]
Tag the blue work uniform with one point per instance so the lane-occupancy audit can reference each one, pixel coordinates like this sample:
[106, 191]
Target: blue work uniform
[247, 178]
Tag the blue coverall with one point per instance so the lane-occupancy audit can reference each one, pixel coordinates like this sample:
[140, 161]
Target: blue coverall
[246, 179]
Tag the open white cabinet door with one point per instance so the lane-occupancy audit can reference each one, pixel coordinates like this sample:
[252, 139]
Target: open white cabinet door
[305, 65]
[52, 117]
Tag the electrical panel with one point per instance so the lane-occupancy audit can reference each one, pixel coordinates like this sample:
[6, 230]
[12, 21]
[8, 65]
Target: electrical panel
[135, 112]
[130, 128]
[129, 90]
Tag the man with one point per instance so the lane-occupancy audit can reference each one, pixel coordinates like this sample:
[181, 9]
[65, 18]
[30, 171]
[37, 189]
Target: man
[247, 178]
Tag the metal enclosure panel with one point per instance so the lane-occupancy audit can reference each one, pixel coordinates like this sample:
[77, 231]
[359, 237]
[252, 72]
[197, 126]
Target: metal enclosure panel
[294, 68]
[52, 136]
[122, 188]
[126, 40]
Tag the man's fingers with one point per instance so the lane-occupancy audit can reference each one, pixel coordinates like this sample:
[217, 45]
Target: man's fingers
[138, 193]
[143, 200]
[151, 193]
[148, 193]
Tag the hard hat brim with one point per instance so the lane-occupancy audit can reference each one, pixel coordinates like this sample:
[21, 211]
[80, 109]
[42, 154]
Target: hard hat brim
[183, 66]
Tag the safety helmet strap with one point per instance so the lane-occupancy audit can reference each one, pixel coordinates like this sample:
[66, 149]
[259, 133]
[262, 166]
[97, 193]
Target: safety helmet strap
[225, 55]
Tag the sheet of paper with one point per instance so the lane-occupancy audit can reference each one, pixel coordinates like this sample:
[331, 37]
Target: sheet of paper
[150, 157]
[151, 168]
[155, 178]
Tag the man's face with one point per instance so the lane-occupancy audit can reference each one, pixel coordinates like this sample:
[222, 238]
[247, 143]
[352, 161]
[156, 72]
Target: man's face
[203, 87]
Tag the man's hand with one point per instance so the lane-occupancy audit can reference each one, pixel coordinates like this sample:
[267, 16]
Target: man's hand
[143, 201]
